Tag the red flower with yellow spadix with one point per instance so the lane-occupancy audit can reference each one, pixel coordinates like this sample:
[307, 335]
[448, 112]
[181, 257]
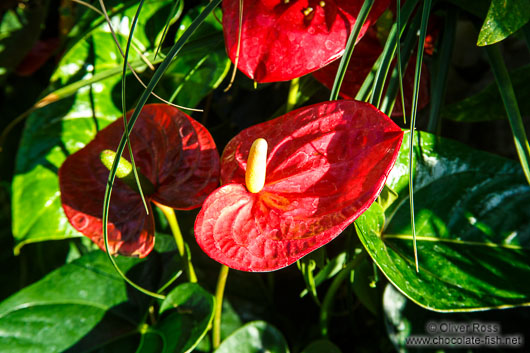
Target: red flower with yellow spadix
[176, 155]
[292, 184]
[284, 39]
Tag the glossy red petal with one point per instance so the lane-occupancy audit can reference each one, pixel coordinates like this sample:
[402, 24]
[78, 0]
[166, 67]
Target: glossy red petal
[282, 40]
[170, 149]
[188, 161]
[326, 165]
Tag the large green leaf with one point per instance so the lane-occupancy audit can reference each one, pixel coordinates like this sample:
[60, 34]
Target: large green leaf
[254, 337]
[487, 104]
[80, 306]
[187, 314]
[472, 226]
[86, 305]
[91, 70]
[504, 18]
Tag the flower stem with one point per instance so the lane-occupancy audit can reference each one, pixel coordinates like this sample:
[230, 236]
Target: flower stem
[335, 285]
[293, 94]
[219, 293]
[175, 229]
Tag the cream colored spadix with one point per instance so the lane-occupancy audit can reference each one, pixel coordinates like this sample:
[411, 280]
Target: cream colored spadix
[256, 166]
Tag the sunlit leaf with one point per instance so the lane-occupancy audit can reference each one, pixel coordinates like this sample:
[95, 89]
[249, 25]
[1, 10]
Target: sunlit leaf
[80, 306]
[472, 227]
[504, 18]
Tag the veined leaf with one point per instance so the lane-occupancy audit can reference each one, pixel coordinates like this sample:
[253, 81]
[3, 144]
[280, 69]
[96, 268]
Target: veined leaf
[472, 226]
[85, 298]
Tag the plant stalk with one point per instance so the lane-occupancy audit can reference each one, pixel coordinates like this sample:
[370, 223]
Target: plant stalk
[181, 247]
[219, 293]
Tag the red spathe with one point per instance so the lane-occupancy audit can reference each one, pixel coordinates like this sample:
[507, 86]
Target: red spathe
[326, 164]
[176, 153]
[282, 40]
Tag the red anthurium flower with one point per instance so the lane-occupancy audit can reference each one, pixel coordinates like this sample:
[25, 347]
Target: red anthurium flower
[325, 166]
[173, 151]
[285, 39]
[364, 56]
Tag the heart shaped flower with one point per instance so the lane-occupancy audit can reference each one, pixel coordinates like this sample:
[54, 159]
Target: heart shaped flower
[174, 152]
[326, 164]
[285, 39]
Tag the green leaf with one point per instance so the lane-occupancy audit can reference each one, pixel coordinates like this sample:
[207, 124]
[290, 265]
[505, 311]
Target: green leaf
[255, 337]
[504, 18]
[80, 306]
[186, 313]
[321, 346]
[487, 104]
[473, 228]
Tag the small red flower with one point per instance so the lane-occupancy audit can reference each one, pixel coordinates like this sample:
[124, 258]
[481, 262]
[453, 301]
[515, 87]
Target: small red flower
[285, 39]
[326, 164]
[176, 154]
[364, 56]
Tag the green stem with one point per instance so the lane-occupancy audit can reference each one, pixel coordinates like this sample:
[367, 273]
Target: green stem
[350, 45]
[327, 303]
[181, 247]
[510, 105]
[219, 293]
[442, 68]
[293, 94]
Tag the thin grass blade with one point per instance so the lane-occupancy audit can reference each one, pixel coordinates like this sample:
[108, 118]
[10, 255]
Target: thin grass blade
[350, 45]
[417, 75]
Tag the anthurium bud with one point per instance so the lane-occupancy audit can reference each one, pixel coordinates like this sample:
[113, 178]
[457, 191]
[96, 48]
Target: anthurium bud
[125, 172]
[256, 166]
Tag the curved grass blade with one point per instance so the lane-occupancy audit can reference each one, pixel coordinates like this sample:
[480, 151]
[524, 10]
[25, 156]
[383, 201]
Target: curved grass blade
[350, 45]
[144, 58]
[441, 69]
[388, 53]
[510, 105]
[124, 104]
[176, 11]
[143, 99]
[236, 62]
[417, 75]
